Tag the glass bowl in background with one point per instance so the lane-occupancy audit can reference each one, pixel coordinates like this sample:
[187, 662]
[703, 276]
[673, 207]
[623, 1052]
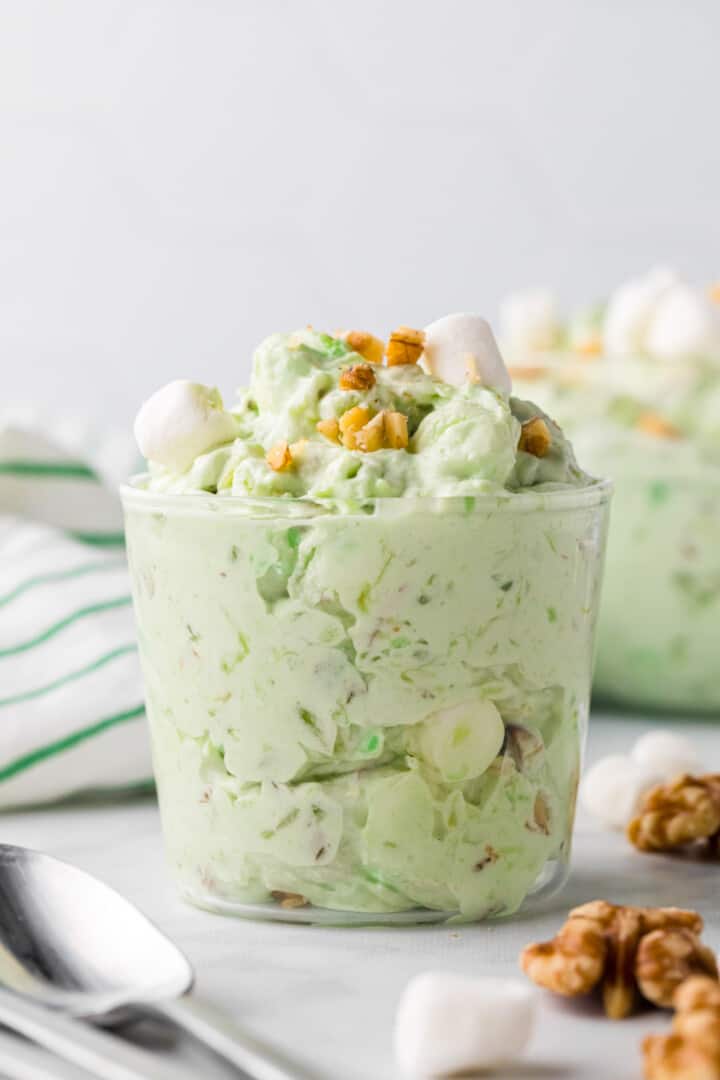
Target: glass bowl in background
[368, 715]
[659, 626]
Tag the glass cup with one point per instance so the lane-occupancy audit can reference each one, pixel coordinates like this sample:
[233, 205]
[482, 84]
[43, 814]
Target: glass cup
[659, 623]
[369, 713]
[659, 627]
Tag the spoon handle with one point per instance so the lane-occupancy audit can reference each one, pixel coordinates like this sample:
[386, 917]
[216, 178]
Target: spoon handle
[102, 1055]
[218, 1032]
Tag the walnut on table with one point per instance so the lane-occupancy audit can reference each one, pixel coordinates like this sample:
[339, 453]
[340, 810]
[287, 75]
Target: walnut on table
[692, 1050]
[684, 813]
[624, 952]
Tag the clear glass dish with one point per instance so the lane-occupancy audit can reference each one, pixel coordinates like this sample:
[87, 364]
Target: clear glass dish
[371, 713]
[659, 625]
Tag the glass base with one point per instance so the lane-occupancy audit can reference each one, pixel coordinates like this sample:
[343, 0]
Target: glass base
[549, 882]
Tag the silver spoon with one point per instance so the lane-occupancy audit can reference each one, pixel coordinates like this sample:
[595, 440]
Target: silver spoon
[72, 943]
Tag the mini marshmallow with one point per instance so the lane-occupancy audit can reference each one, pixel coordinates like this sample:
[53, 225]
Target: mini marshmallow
[181, 421]
[631, 309]
[685, 323]
[529, 322]
[463, 740]
[612, 789]
[448, 1024]
[666, 754]
[458, 347]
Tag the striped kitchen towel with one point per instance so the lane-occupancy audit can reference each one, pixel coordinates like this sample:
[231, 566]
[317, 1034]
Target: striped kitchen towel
[71, 713]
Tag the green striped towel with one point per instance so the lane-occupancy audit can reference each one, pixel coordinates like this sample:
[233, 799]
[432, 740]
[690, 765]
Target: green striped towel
[71, 713]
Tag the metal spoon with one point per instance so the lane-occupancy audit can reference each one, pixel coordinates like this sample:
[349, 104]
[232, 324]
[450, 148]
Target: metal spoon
[72, 943]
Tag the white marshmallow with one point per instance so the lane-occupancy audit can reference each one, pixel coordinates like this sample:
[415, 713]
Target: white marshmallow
[685, 323]
[448, 1024]
[463, 740]
[612, 789]
[181, 421]
[666, 754]
[462, 346]
[529, 322]
[631, 309]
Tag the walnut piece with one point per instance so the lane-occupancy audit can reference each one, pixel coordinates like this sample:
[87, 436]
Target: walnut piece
[535, 437]
[692, 1050]
[405, 346]
[289, 899]
[653, 424]
[367, 345]
[279, 457]
[351, 422]
[684, 812]
[330, 429]
[372, 436]
[357, 377]
[621, 950]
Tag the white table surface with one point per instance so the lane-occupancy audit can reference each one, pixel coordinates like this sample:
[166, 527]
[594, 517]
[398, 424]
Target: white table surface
[327, 996]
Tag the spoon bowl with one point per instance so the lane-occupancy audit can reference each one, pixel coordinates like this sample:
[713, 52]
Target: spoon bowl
[74, 945]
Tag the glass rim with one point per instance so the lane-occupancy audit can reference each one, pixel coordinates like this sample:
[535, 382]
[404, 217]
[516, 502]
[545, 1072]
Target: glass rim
[597, 493]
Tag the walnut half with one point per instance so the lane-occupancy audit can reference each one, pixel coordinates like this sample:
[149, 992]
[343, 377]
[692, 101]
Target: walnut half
[679, 814]
[623, 951]
[692, 1050]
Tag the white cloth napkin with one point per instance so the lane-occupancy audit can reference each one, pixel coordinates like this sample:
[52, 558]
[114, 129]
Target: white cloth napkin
[71, 712]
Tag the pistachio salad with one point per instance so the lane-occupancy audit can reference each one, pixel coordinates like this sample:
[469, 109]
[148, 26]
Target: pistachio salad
[636, 382]
[365, 598]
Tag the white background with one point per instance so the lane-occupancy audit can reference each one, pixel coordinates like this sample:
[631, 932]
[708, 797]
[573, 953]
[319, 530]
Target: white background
[180, 177]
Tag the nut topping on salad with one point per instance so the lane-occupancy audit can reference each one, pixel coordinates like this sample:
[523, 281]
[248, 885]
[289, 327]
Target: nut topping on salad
[405, 346]
[357, 377]
[535, 437]
[330, 429]
[279, 457]
[368, 346]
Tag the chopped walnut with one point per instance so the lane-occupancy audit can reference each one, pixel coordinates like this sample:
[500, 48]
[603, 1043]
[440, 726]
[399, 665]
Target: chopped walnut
[367, 345]
[589, 348]
[530, 373]
[396, 431]
[535, 437]
[279, 457]
[684, 812]
[405, 346]
[289, 899]
[692, 1050]
[371, 437]
[620, 950]
[330, 429]
[384, 431]
[357, 377]
[653, 424]
[351, 422]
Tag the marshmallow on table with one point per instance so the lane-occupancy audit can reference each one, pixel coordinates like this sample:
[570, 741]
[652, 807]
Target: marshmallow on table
[458, 347]
[181, 421]
[611, 790]
[448, 1024]
[666, 754]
